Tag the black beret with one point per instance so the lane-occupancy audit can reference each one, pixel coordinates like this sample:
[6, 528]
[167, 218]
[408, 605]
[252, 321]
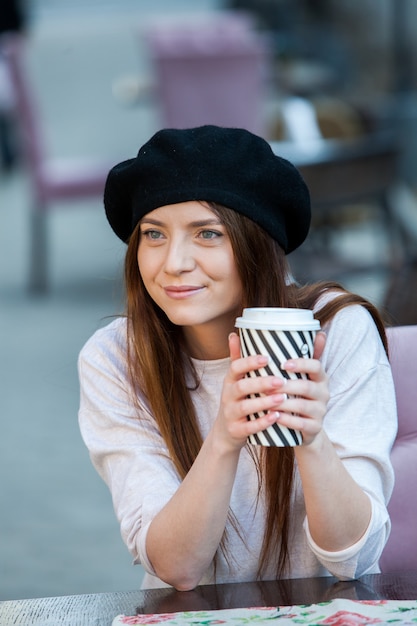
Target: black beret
[228, 166]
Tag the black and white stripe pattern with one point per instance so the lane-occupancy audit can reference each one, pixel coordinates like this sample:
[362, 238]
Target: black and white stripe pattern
[278, 346]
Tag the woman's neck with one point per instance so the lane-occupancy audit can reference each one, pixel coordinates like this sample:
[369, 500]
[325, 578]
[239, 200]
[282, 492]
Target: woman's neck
[207, 344]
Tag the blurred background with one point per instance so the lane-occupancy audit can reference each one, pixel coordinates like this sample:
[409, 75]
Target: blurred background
[331, 83]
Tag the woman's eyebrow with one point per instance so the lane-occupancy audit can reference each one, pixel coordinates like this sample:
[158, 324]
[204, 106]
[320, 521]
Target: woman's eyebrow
[197, 224]
[149, 220]
[209, 222]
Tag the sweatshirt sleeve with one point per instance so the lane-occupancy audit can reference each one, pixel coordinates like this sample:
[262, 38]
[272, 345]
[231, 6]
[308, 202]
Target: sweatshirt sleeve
[361, 422]
[125, 445]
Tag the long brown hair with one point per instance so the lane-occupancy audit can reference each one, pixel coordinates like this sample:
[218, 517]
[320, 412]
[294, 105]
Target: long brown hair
[158, 367]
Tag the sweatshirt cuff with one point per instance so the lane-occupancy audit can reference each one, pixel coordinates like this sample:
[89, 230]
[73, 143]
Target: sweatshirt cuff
[339, 555]
[142, 558]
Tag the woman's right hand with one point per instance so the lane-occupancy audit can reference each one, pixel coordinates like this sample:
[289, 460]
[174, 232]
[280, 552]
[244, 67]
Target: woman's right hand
[232, 424]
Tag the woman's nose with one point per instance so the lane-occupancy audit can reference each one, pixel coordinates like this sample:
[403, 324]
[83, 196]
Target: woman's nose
[179, 258]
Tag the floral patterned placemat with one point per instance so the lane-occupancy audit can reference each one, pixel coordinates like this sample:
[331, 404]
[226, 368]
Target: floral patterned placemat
[334, 613]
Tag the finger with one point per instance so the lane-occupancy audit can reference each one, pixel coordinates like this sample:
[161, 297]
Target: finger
[259, 385]
[242, 366]
[253, 426]
[309, 409]
[319, 343]
[259, 404]
[309, 429]
[305, 388]
[310, 367]
[234, 346]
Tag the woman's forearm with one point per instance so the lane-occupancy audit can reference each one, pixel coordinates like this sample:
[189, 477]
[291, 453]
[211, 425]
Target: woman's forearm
[338, 510]
[183, 538]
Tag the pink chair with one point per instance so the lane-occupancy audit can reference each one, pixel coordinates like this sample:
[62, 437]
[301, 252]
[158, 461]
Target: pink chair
[209, 70]
[51, 180]
[400, 552]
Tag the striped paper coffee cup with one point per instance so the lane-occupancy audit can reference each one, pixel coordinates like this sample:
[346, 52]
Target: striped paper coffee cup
[280, 334]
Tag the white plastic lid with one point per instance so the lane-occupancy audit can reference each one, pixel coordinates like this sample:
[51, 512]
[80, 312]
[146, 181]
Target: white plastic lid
[274, 318]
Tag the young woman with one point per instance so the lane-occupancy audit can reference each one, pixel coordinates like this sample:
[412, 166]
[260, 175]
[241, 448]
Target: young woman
[209, 215]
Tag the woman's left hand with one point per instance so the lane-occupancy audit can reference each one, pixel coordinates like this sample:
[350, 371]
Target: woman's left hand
[307, 398]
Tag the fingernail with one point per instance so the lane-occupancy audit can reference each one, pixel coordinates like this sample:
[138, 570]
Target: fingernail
[279, 397]
[262, 359]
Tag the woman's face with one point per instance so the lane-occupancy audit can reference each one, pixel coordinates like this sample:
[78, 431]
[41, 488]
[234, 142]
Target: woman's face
[187, 265]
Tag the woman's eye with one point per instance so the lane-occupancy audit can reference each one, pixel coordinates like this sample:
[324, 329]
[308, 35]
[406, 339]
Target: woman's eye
[152, 234]
[209, 234]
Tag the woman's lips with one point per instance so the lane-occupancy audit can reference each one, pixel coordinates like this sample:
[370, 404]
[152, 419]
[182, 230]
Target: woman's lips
[183, 291]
